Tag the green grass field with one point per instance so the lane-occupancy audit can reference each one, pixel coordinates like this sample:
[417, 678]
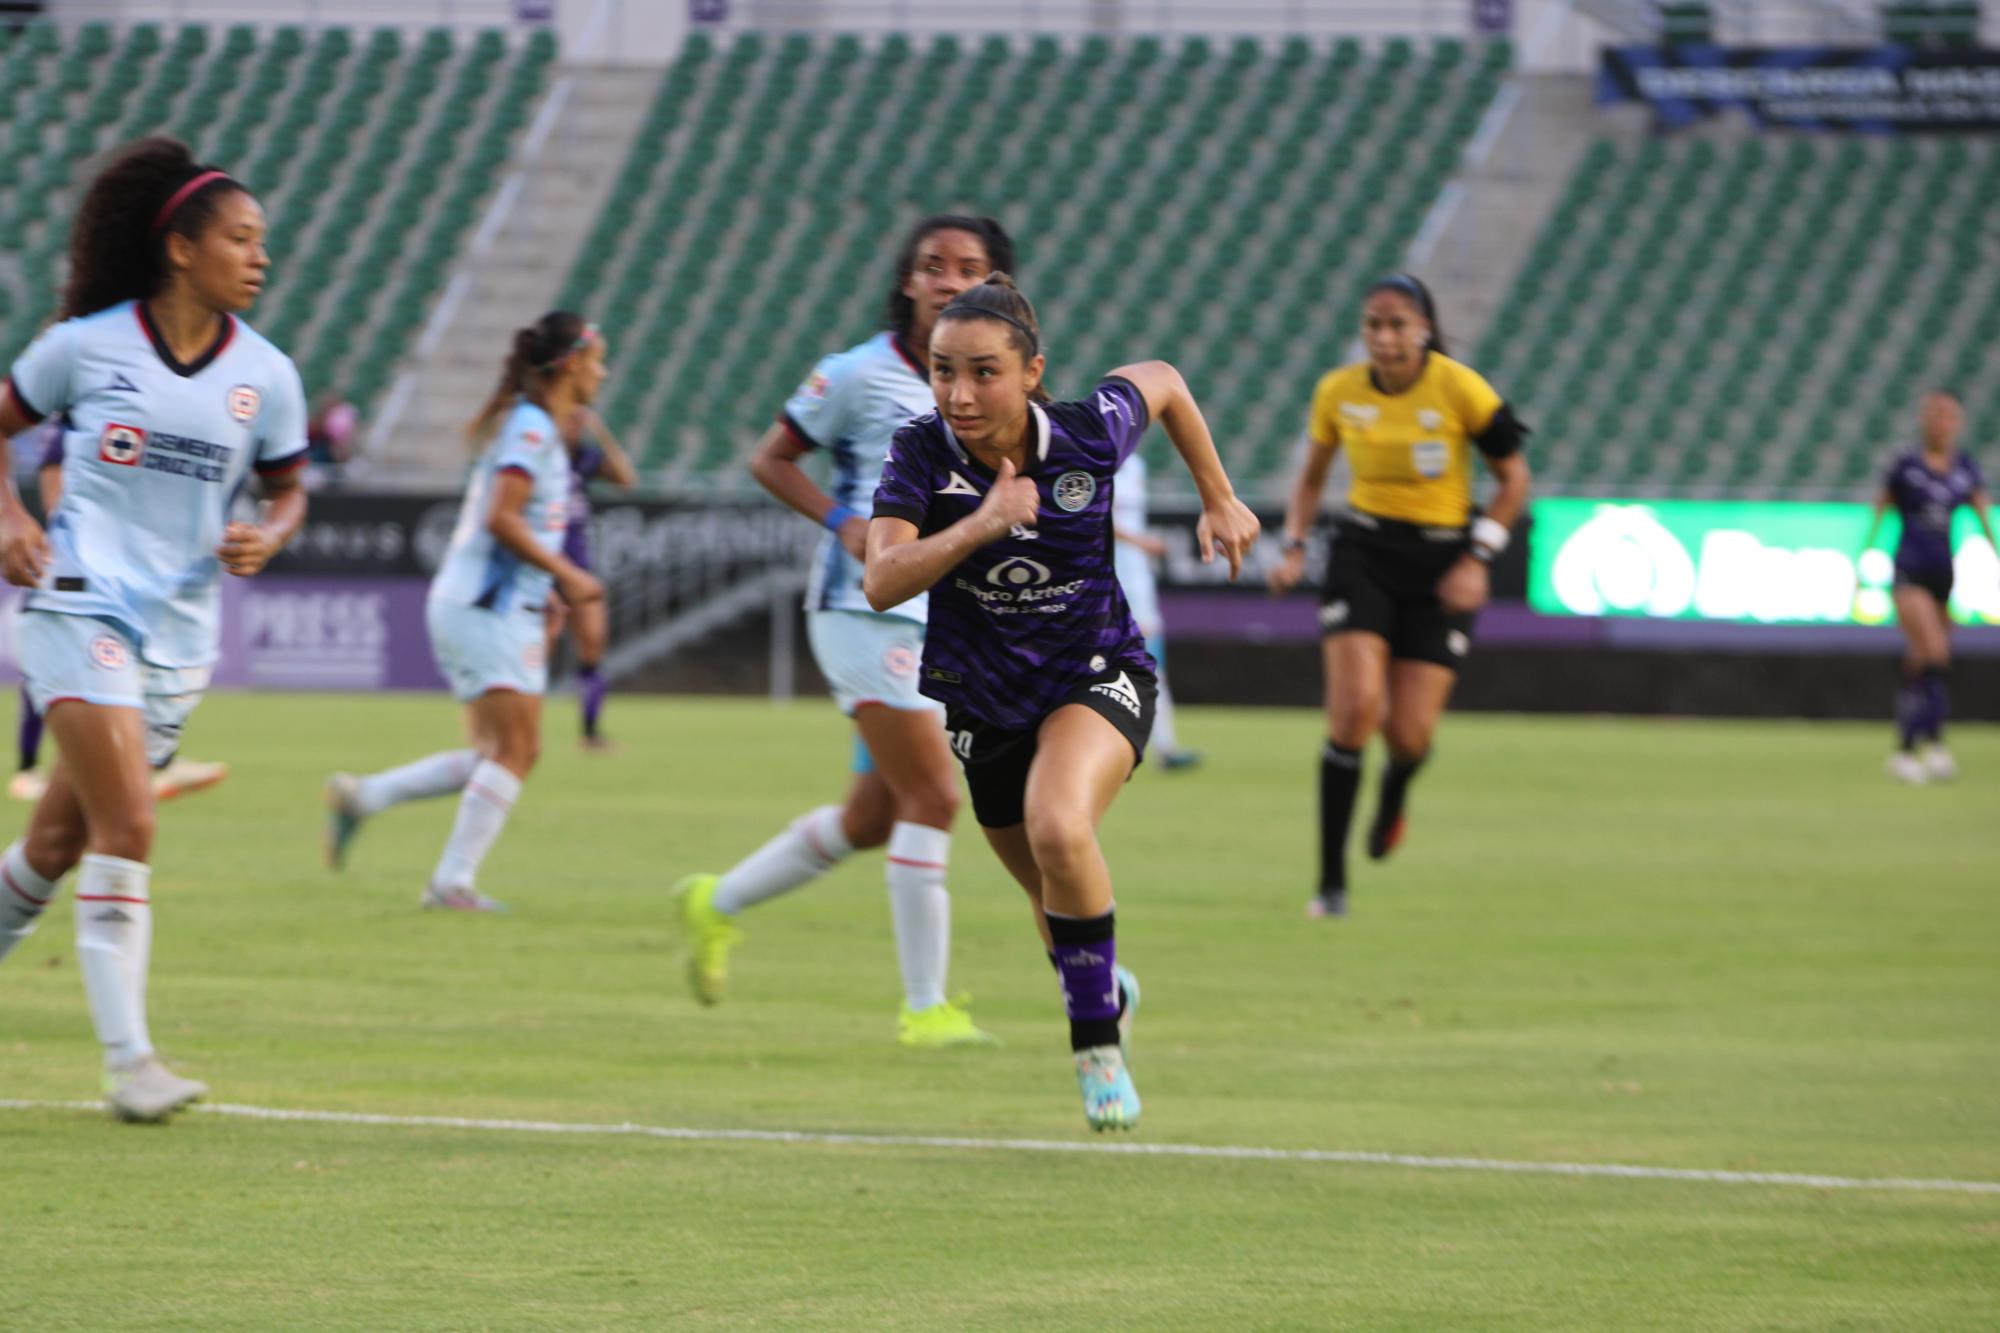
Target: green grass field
[1696, 945]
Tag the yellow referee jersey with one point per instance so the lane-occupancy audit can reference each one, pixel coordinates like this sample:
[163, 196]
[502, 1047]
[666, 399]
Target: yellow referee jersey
[1411, 452]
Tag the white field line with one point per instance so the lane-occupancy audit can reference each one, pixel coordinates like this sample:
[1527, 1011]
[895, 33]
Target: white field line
[1120, 1148]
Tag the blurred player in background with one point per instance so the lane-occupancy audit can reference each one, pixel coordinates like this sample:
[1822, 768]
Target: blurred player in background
[1407, 572]
[171, 401]
[1134, 556]
[1000, 503]
[486, 608]
[905, 792]
[181, 775]
[594, 454]
[1926, 485]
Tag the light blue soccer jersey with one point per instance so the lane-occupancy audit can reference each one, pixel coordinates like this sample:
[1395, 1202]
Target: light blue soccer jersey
[153, 453]
[477, 570]
[851, 405]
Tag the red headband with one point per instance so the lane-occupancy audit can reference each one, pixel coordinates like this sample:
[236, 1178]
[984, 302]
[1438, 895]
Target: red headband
[182, 195]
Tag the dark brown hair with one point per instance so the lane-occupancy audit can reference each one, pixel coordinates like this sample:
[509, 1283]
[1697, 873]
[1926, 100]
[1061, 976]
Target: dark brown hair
[999, 245]
[998, 299]
[1411, 289]
[118, 245]
[537, 354]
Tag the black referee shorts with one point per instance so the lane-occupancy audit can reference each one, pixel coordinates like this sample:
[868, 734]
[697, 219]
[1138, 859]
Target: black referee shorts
[996, 760]
[1382, 577]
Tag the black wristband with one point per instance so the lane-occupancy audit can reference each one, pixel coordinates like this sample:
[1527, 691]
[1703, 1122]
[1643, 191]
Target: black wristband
[1294, 544]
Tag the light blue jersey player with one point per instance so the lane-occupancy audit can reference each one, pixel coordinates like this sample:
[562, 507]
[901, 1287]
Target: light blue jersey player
[486, 604]
[905, 791]
[487, 608]
[169, 404]
[1132, 557]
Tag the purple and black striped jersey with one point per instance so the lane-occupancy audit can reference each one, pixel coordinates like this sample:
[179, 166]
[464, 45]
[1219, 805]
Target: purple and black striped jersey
[1017, 625]
[585, 462]
[1926, 500]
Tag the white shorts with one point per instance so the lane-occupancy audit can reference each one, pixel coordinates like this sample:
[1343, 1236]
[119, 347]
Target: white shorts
[1142, 590]
[479, 651]
[868, 659]
[98, 662]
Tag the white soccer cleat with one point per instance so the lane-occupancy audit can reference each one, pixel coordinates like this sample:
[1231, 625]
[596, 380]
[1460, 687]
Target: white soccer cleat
[187, 775]
[1906, 767]
[27, 785]
[146, 1091]
[1939, 766]
[458, 900]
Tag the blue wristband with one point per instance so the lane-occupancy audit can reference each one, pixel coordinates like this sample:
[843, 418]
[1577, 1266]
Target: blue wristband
[837, 516]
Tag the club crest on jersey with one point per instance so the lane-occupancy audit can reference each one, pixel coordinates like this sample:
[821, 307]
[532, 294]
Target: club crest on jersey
[244, 402]
[1074, 491]
[815, 386]
[108, 653]
[122, 445]
[900, 661]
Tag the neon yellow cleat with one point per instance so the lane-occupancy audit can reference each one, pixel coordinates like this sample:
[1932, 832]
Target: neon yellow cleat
[941, 1025]
[709, 934]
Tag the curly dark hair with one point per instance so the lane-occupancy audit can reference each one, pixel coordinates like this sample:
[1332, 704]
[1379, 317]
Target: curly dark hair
[901, 310]
[537, 351]
[115, 252]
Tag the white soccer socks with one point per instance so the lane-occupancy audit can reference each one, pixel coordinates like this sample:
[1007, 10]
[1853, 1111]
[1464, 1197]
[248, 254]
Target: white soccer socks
[921, 907]
[23, 896]
[490, 793]
[810, 845]
[433, 775]
[114, 945]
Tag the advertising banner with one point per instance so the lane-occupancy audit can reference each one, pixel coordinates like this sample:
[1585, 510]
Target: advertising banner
[1755, 562]
[1879, 89]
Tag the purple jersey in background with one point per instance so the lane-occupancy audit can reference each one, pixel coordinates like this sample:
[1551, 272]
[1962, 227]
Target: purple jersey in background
[1926, 500]
[585, 462]
[1020, 623]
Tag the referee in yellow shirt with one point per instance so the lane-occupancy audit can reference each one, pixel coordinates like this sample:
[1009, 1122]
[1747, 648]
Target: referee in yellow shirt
[1407, 571]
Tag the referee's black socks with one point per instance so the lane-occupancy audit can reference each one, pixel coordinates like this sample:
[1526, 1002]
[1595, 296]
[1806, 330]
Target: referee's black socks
[1339, 780]
[1389, 810]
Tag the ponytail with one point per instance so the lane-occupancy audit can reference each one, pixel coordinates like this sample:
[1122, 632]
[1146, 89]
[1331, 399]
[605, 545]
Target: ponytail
[538, 353]
[151, 190]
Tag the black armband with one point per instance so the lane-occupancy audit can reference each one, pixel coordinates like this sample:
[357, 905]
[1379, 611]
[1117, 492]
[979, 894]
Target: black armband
[1503, 436]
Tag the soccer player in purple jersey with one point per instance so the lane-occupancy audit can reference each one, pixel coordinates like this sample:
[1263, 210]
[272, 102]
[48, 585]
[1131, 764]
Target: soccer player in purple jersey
[594, 454]
[999, 503]
[1927, 485]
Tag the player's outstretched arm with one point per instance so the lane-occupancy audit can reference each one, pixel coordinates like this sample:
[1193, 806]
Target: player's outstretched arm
[900, 564]
[1226, 522]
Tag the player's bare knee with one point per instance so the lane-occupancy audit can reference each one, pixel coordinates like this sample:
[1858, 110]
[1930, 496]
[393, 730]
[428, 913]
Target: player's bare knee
[1062, 841]
[52, 850]
[127, 834]
[934, 805]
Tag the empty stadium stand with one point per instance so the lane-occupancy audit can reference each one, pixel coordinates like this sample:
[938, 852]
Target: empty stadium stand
[1753, 317]
[1218, 204]
[371, 151]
